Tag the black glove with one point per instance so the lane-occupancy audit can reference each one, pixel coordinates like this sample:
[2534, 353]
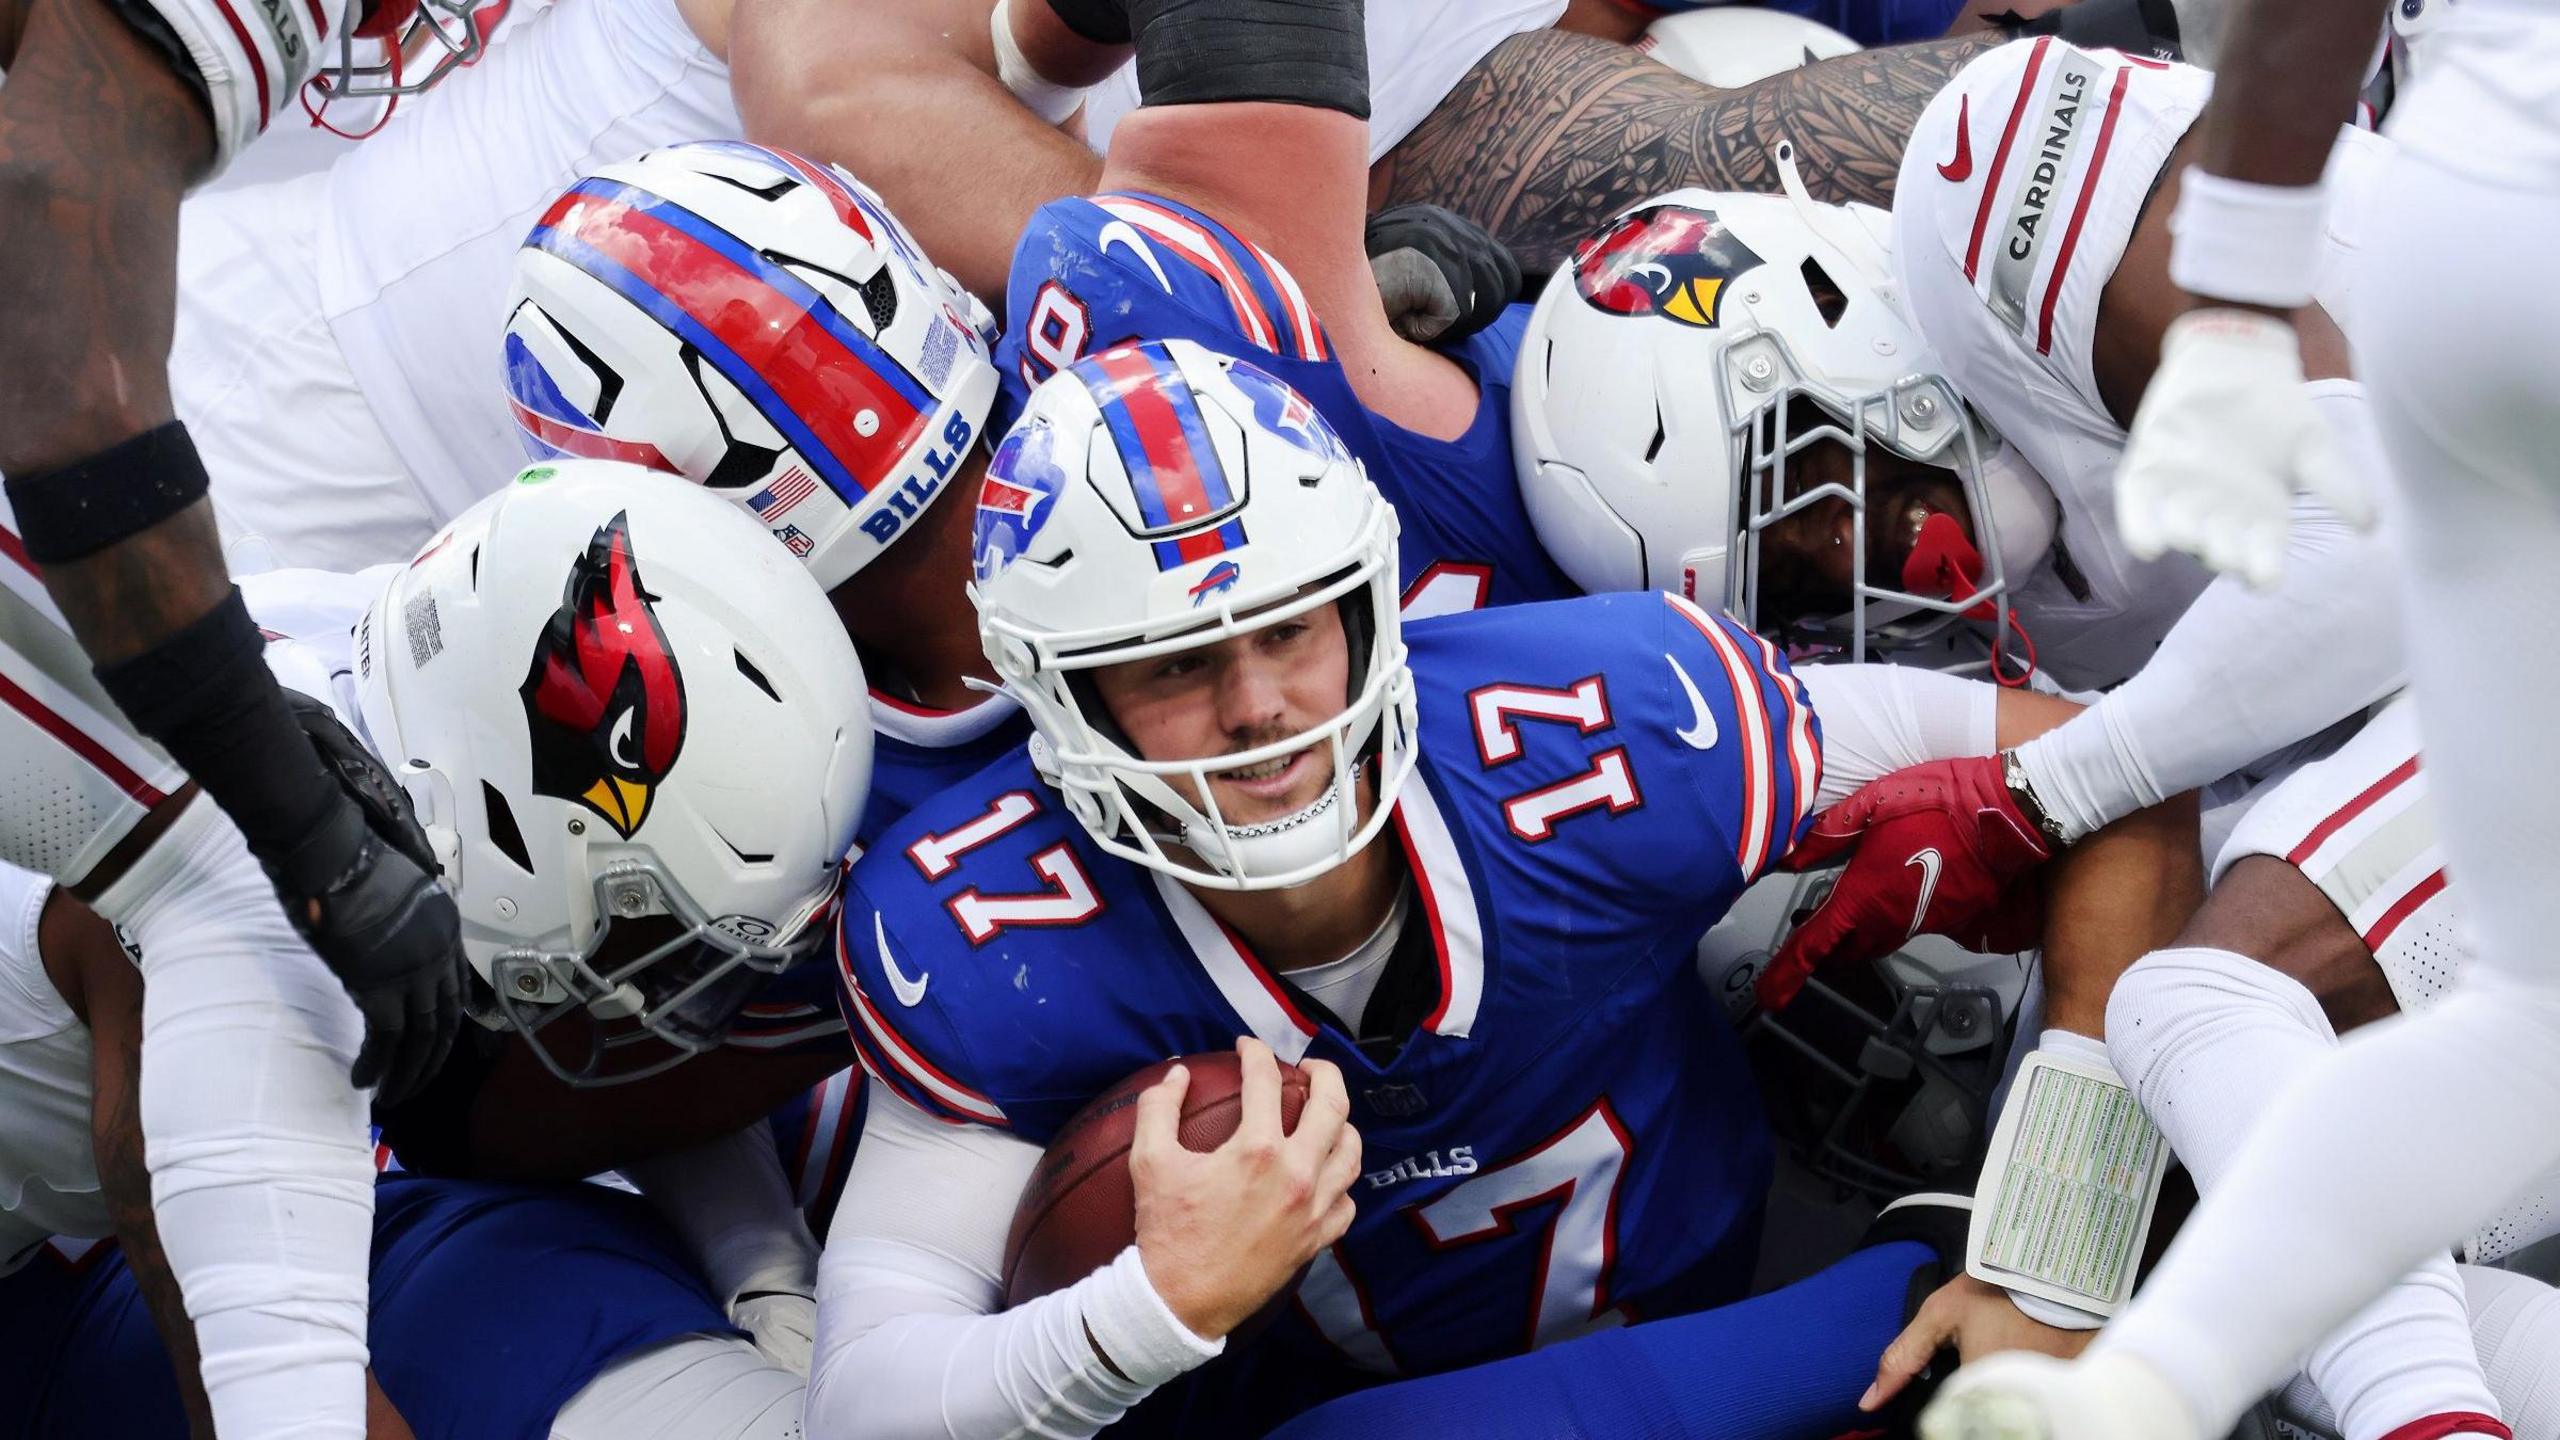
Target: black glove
[385, 926]
[1442, 276]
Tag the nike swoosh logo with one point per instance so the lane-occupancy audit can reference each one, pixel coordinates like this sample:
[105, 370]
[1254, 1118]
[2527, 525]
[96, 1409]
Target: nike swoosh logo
[1928, 860]
[1701, 734]
[908, 991]
[1960, 169]
[1121, 232]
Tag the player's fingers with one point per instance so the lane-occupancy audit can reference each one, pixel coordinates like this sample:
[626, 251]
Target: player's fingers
[1782, 979]
[2137, 510]
[1337, 1221]
[1908, 1355]
[1258, 1097]
[1327, 1111]
[379, 1055]
[1156, 1134]
[1341, 1168]
[1833, 835]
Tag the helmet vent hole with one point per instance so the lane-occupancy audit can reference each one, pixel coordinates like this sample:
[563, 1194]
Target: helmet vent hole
[1828, 297]
[745, 857]
[880, 297]
[1654, 447]
[475, 567]
[755, 676]
[502, 827]
[879, 293]
[774, 191]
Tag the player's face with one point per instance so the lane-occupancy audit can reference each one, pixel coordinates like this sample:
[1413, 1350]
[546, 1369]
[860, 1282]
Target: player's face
[1807, 561]
[1239, 694]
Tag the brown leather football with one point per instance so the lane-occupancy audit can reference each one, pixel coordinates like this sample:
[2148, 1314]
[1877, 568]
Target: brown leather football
[1079, 1210]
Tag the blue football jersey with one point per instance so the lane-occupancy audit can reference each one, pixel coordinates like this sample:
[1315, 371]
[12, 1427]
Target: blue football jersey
[1092, 272]
[918, 752]
[915, 752]
[1568, 1137]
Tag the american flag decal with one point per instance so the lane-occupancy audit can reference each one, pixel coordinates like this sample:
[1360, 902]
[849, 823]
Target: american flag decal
[775, 500]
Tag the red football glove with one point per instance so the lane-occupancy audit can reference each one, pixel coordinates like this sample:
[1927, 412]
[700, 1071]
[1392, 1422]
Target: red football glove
[1938, 849]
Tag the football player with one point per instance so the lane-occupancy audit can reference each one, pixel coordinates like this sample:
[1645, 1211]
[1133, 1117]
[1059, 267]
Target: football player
[362, 300]
[2401, 1141]
[111, 114]
[1197, 607]
[1845, 501]
[562, 600]
[605, 1327]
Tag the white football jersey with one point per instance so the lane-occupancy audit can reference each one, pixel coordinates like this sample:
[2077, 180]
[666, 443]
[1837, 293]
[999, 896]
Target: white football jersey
[2009, 219]
[48, 1177]
[48, 1180]
[412, 235]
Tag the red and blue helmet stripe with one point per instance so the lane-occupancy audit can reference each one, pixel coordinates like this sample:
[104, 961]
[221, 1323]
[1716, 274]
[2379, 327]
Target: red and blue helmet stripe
[806, 368]
[552, 427]
[1173, 466]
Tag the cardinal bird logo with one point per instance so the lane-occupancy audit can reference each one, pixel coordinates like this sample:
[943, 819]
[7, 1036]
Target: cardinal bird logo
[1666, 260]
[604, 699]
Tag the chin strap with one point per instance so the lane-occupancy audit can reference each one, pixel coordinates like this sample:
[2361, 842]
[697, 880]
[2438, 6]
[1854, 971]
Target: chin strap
[1944, 561]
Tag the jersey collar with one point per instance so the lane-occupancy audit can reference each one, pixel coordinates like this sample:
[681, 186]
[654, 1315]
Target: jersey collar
[1445, 902]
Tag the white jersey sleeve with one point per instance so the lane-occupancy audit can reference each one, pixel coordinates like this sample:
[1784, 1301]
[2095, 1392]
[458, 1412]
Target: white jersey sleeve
[48, 1177]
[911, 1340]
[251, 57]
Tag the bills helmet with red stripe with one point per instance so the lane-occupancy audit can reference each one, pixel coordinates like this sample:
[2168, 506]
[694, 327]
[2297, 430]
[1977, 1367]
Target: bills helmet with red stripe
[1679, 373]
[636, 734]
[1157, 498]
[756, 322]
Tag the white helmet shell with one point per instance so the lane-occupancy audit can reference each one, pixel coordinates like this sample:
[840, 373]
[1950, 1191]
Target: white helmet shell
[760, 324]
[613, 697]
[1651, 404]
[1730, 46]
[1156, 498]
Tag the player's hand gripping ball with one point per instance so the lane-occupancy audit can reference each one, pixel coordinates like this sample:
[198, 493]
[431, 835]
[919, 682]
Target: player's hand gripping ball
[1272, 1197]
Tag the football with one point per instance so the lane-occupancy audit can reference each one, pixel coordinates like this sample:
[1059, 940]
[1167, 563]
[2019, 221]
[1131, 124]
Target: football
[1080, 1208]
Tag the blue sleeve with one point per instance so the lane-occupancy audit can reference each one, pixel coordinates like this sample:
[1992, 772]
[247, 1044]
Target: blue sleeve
[1093, 271]
[1754, 745]
[905, 1030]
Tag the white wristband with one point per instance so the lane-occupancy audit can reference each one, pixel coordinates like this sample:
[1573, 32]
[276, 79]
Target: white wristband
[1146, 1341]
[1039, 94]
[2237, 240]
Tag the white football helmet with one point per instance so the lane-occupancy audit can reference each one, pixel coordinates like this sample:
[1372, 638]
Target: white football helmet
[760, 324]
[614, 698]
[1662, 381]
[1733, 45]
[1157, 497]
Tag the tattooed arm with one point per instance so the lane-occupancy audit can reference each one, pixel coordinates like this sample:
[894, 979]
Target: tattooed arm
[1553, 133]
[99, 139]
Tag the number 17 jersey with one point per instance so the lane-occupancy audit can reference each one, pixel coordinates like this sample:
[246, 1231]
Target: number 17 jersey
[1564, 1136]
